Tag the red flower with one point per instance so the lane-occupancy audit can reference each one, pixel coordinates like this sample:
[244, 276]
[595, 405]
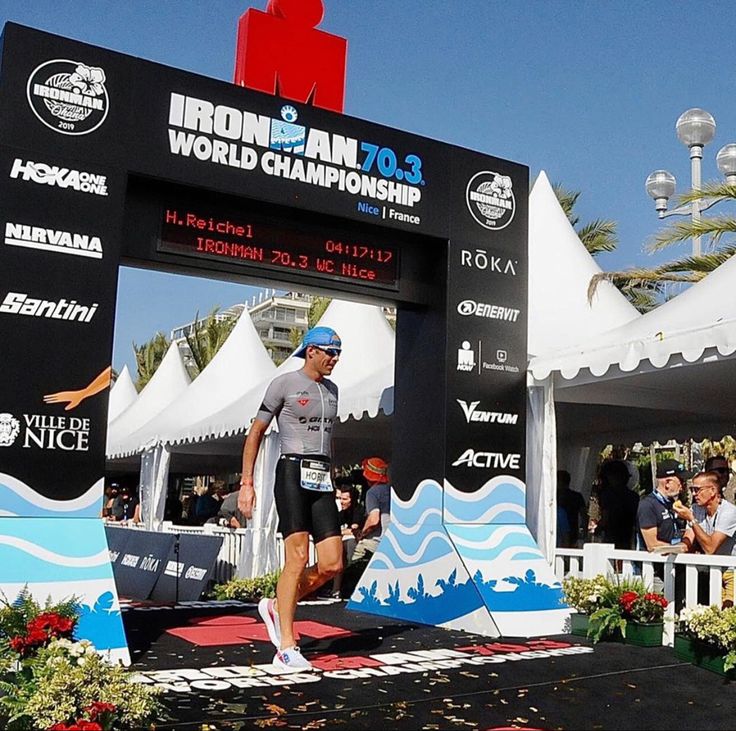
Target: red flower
[18, 644]
[96, 709]
[80, 725]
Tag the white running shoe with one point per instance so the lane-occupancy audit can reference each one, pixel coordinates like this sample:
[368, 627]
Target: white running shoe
[270, 618]
[291, 660]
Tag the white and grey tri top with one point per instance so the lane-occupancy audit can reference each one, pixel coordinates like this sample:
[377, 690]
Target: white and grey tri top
[305, 411]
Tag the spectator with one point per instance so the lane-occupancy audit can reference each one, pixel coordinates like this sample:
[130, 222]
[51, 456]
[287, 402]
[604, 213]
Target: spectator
[719, 465]
[573, 511]
[125, 506]
[206, 506]
[377, 507]
[229, 516]
[110, 494]
[712, 524]
[657, 521]
[352, 518]
[618, 505]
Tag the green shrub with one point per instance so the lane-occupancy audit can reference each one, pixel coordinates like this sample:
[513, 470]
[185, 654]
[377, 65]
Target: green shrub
[248, 590]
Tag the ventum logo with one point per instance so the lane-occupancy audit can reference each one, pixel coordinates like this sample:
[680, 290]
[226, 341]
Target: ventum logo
[68, 97]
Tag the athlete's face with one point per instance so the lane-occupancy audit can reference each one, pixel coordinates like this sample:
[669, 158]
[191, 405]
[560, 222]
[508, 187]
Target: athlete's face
[325, 359]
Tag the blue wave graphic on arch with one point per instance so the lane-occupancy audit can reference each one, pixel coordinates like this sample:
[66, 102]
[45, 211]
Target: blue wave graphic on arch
[101, 624]
[529, 594]
[414, 552]
[427, 497]
[19, 499]
[479, 544]
[472, 510]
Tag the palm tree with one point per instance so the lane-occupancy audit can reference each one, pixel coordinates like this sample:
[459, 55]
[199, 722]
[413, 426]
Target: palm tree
[207, 337]
[687, 269]
[317, 309]
[148, 357]
[598, 235]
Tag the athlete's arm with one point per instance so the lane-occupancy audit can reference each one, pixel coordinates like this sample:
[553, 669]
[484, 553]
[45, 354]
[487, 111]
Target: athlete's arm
[247, 494]
[371, 522]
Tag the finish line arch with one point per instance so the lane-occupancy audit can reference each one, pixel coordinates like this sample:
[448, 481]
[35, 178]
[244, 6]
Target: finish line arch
[108, 159]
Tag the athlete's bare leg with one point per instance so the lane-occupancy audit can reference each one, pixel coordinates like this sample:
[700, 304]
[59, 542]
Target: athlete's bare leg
[297, 580]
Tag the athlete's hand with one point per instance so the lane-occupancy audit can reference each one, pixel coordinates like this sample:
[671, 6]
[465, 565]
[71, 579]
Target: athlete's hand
[247, 500]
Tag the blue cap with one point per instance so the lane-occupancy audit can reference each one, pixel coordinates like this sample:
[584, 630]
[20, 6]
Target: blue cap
[325, 337]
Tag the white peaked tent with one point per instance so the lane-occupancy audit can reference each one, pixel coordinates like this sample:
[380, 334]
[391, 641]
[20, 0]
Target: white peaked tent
[667, 375]
[168, 383]
[241, 362]
[122, 395]
[560, 269]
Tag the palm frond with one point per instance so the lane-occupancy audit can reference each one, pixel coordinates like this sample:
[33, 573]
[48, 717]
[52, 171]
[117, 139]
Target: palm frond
[715, 190]
[714, 226]
[705, 263]
[649, 278]
[599, 235]
[567, 200]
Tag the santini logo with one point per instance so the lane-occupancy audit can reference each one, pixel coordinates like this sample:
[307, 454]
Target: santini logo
[18, 303]
[494, 460]
[43, 174]
[49, 239]
[491, 312]
[474, 414]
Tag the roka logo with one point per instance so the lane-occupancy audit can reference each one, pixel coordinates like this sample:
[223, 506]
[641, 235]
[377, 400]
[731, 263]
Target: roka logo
[488, 460]
[9, 429]
[474, 414]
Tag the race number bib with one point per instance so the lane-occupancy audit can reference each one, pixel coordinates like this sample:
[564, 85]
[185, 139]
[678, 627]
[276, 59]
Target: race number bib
[315, 475]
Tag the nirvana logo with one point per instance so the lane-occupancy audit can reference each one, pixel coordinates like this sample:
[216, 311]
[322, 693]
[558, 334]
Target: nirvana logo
[490, 199]
[68, 96]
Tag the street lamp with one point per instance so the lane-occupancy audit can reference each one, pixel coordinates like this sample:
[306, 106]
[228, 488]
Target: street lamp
[695, 128]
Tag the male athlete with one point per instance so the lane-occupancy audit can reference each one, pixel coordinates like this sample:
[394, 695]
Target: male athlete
[304, 403]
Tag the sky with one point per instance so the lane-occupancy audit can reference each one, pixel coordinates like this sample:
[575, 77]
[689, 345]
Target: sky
[587, 91]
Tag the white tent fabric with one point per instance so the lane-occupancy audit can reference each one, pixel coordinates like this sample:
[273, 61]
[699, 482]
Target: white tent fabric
[702, 317]
[168, 383]
[241, 362]
[363, 374]
[122, 395]
[560, 269]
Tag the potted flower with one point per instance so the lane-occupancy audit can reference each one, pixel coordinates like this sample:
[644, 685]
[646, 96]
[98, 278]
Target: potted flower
[706, 636]
[629, 611]
[585, 596]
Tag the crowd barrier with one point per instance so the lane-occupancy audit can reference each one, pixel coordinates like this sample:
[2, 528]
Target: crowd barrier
[603, 558]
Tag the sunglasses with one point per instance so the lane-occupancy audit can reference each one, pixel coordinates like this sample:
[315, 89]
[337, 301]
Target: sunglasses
[696, 490]
[331, 352]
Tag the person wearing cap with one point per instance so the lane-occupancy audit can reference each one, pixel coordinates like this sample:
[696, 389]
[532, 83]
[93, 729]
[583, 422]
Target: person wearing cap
[304, 403]
[377, 507]
[712, 523]
[657, 521]
[718, 463]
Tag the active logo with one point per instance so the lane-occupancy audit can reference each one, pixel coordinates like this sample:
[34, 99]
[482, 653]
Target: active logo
[59, 177]
[490, 199]
[488, 460]
[490, 312]
[41, 431]
[481, 259]
[19, 303]
[9, 429]
[68, 97]
[49, 239]
[473, 414]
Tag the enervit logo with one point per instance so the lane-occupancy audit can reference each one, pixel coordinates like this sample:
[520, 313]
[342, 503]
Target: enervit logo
[490, 312]
[9, 429]
[465, 357]
[68, 97]
[59, 177]
[488, 460]
[49, 239]
[481, 259]
[473, 414]
[19, 303]
[490, 199]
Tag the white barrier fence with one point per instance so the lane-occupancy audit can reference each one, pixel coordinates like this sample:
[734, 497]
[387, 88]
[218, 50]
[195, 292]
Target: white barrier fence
[238, 556]
[682, 571]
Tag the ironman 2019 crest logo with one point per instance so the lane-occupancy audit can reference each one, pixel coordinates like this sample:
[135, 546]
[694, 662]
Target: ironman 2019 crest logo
[68, 96]
[490, 199]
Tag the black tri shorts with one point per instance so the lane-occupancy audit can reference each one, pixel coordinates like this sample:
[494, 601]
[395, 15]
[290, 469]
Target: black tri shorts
[299, 509]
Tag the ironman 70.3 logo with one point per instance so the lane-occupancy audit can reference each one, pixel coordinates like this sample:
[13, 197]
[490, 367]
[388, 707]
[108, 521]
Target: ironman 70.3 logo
[68, 96]
[490, 199]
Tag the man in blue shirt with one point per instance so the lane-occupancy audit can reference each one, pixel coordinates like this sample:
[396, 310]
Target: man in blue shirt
[377, 507]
